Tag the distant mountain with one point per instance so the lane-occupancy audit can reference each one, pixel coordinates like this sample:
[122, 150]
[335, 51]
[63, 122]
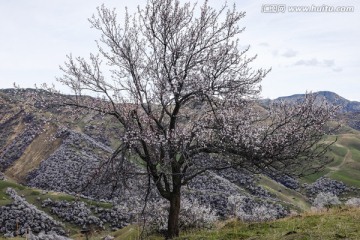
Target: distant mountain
[349, 111]
[330, 97]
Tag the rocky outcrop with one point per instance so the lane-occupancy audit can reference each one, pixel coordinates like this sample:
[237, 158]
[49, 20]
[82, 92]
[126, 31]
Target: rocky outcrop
[285, 180]
[70, 167]
[211, 189]
[20, 217]
[327, 185]
[74, 212]
[85, 216]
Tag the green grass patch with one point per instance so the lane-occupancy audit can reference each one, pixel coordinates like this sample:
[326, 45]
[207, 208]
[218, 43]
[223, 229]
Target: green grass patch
[338, 150]
[350, 141]
[355, 154]
[348, 176]
[315, 176]
[32, 195]
[345, 129]
[6, 184]
[4, 198]
[337, 160]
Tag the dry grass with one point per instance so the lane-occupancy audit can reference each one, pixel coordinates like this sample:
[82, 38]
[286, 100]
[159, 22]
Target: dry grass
[39, 149]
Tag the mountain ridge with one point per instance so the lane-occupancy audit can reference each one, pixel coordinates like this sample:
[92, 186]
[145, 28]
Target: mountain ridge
[331, 97]
[348, 114]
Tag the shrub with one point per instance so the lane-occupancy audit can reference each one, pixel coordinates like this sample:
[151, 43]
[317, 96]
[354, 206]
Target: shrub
[195, 215]
[353, 202]
[192, 215]
[250, 211]
[325, 200]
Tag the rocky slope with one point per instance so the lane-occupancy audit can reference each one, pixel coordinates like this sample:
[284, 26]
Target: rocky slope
[21, 217]
[43, 148]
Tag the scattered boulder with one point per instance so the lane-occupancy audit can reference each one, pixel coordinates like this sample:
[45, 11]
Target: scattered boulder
[108, 237]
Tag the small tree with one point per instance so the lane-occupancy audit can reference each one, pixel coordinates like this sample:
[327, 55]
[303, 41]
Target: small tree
[184, 94]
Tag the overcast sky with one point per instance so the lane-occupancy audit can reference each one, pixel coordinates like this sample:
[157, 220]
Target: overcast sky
[306, 51]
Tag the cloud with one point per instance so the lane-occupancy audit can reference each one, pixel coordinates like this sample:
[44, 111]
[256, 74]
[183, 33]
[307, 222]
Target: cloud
[327, 63]
[289, 53]
[337, 69]
[311, 62]
[264, 44]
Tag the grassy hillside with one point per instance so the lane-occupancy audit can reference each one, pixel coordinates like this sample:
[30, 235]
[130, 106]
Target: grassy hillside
[293, 198]
[337, 223]
[346, 154]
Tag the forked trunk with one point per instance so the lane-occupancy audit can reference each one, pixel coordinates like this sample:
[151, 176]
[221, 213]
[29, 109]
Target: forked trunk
[173, 221]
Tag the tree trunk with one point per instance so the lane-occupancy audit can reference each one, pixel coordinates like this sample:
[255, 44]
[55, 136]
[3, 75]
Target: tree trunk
[173, 221]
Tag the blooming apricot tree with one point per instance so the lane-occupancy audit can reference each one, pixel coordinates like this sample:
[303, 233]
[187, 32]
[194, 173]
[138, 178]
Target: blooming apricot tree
[182, 88]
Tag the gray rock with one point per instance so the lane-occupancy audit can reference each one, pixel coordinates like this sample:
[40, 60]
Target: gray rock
[108, 237]
[19, 216]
